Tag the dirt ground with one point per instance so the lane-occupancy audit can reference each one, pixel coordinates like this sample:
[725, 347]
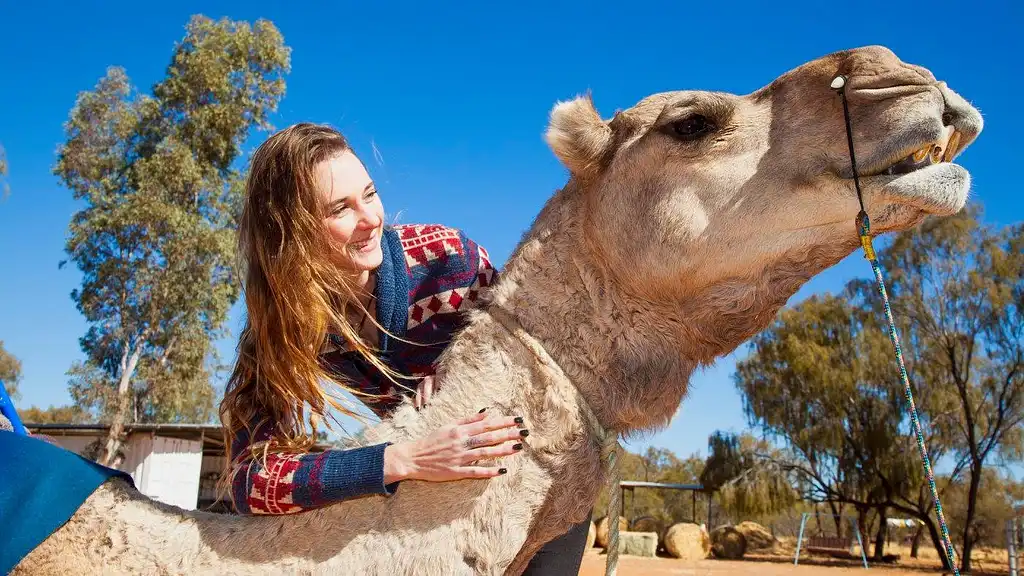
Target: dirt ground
[594, 563]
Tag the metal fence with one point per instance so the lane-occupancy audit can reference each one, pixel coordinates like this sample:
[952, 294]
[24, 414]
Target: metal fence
[1015, 544]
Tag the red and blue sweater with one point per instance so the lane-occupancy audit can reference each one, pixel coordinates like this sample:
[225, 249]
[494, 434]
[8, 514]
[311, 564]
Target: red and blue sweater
[429, 275]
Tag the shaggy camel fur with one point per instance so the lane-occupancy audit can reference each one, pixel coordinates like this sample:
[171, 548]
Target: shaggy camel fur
[687, 222]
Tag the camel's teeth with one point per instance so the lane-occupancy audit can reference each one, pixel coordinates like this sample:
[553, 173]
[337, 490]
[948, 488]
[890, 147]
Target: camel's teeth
[951, 146]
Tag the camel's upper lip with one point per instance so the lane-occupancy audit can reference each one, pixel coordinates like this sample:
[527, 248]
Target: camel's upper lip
[912, 150]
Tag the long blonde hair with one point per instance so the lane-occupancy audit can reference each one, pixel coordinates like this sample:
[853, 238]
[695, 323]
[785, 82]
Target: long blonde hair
[294, 293]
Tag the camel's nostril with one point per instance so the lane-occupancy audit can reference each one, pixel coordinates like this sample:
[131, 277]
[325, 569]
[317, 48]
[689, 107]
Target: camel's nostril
[960, 114]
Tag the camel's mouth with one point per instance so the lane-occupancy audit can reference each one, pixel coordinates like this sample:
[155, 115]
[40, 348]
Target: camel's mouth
[915, 170]
[912, 158]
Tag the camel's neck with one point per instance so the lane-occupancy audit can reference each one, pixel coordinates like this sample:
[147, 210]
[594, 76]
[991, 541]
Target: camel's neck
[628, 368]
[632, 358]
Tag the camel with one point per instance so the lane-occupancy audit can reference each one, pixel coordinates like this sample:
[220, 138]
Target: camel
[687, 221]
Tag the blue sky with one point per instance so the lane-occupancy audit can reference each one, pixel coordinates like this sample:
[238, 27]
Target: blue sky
[455, 96]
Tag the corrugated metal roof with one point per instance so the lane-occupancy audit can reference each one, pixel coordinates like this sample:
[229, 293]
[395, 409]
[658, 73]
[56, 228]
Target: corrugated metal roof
[212, 433]
[135, 427]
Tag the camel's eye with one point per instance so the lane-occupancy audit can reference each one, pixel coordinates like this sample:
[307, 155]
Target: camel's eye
[691, 127]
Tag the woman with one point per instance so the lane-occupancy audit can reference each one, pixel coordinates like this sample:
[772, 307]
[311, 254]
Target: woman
[326, 282]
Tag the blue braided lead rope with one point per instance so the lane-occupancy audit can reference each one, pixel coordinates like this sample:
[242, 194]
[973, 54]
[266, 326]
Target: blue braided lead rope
[864, 226]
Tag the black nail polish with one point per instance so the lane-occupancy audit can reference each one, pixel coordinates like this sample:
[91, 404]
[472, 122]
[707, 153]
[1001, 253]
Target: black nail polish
[517, 446]
[524, 433]
[481, 411]
[502, 471]
[518, 420]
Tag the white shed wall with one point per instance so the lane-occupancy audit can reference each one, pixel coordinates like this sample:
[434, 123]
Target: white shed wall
[169, 471]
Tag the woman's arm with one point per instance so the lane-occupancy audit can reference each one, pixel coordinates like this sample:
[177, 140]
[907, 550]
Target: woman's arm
[467, 277]
[290, 483]
[285, 483]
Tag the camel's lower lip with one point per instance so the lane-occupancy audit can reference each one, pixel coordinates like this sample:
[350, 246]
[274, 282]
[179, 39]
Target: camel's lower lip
[939, 189]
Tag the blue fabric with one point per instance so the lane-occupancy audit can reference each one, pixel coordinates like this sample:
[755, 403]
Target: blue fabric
[8, 411]
[323, 477]
[356, 472]
[392, 289]
[43, 485]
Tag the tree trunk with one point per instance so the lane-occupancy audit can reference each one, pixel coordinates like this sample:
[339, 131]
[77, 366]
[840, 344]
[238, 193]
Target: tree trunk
[972, 501]
[109, 456]
[915, 543]
[881, 534]
[112, 446]
[836, 517]
[862, 525]
[937, 542]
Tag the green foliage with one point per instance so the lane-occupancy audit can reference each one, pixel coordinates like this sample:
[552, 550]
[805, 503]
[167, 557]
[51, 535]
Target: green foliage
[817, 382]
[10, 372]
[155, 239]
[657, 465]
[726, 460]
[748, 476]
[53, 415]
[993, 508]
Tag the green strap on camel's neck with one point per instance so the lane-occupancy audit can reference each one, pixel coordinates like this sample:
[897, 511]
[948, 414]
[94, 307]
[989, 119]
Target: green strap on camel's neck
[610, 451]
[864, 231]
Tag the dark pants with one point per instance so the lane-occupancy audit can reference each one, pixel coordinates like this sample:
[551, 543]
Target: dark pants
[561, 556]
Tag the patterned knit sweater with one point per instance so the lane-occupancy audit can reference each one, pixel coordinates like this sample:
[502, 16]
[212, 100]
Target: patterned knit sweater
[430, 273]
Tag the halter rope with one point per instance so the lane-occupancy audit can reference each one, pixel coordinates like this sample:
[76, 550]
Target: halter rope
[864, 229]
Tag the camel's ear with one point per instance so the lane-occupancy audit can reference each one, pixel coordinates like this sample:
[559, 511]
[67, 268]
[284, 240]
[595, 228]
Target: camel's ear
[578, 136]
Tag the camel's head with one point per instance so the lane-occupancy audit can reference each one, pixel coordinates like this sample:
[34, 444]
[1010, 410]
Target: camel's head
[686, 190]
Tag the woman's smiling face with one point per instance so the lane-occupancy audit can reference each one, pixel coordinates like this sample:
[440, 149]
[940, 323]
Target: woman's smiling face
[355, 215]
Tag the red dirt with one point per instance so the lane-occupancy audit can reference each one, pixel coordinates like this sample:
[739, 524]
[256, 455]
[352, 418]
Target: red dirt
[594, 563]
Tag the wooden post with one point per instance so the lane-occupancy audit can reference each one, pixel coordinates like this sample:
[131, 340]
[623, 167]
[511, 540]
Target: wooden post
[693, 509]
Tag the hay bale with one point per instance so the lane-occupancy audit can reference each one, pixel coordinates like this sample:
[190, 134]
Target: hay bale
[602, 530]
[687, 541]
[758, 537]
[591, 535]
[647, 524]
[728, 543]
[638, 544]
[5, 424]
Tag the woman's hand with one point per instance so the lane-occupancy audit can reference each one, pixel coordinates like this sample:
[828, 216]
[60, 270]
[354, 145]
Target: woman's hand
[449, 453]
